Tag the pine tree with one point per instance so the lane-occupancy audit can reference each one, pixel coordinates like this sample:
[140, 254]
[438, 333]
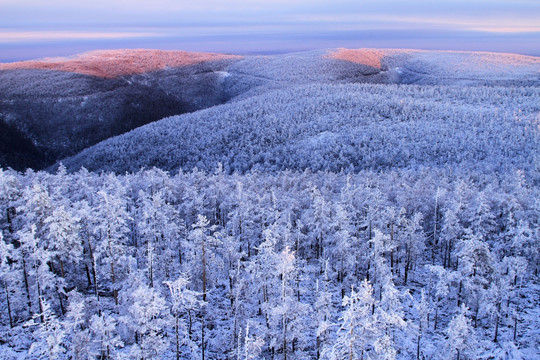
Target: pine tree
[475, 268]
[79, 346]
[413, 243]
[422, 309]
[64, 243]
[440, 289]
[252, 347]
[103, 329]
[287, 313]
[324, 309]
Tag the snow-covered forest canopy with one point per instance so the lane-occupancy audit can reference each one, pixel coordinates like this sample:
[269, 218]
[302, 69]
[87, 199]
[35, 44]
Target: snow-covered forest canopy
[400, 264]
[353, 205]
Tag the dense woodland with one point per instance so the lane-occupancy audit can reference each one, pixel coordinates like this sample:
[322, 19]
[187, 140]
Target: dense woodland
[337, 127]
[409, 264]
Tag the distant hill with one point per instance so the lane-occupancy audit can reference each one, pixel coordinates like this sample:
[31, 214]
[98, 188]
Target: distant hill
[60, 107]
[424, 67]
[116, 63]
[336, 127]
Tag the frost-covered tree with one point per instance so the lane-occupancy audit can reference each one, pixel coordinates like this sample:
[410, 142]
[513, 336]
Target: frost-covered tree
[461, 339]
[342, 251]
[39, 280]
[421, 307]
[7, 275]
[439, 288]
[79, 344]
[324, 312]
[475, 269]
[106, 341]
[49, 335]
[64, 243]
[450, 232]
[147, 317]
[287, 315]
[252, 346]
[111, 229]
[160, 230]
[413, 243]
[358, 330]
[380, 271]
[183, 302]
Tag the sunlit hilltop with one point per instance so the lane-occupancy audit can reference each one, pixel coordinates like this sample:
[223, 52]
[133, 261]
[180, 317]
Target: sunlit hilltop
[114, 63]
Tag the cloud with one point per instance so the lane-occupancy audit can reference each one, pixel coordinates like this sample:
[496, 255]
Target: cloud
[31, 36]
[184, 22]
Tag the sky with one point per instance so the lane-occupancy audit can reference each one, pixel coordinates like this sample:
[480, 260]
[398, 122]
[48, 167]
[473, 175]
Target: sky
[35, 28]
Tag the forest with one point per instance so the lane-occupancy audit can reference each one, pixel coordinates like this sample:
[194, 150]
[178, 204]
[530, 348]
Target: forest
[408, 264]
[330, 205]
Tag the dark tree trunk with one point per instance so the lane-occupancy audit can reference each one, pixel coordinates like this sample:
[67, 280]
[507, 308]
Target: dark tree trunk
[8, 305]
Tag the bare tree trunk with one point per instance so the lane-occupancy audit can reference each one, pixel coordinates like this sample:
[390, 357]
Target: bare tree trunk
[113, 281]
[392, 251]
[515, 326]
[418, 348]
[93, 265]
[177, 337]
[8, 305]
[435, 223]
[202, 337]
[496, 326]
[40, 303]
[151, 265]
[26, 285]
[88, 278]
[203, 270]
[407, 266]
[436, 316]
[284, 338]
[351, 344]
[113, 277]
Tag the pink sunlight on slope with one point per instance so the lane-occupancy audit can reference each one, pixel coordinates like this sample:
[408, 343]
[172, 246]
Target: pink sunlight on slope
[114, 63]
[446, 60]
[368, 57]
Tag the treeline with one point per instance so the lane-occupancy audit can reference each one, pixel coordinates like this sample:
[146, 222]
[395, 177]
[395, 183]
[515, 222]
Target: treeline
[412, 264]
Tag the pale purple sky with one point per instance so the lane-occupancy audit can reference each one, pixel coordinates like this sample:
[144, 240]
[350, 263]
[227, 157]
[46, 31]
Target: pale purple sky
[37, 28]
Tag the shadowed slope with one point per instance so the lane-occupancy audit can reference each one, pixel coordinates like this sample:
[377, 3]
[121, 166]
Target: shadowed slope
[59, 113]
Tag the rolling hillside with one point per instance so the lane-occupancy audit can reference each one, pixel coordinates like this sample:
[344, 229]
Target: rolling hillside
[59, 107]
[309, 111]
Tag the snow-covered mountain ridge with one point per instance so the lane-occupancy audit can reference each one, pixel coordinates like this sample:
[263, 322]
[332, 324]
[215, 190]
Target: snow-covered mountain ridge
[54, 108]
